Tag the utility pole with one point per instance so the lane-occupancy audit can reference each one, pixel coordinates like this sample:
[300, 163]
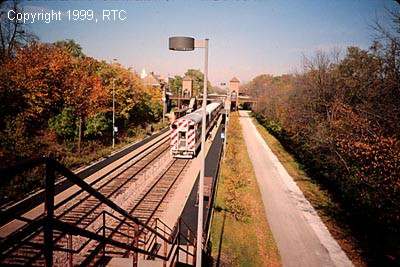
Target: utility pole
[164, 99]
[113, 110]
[113, 115]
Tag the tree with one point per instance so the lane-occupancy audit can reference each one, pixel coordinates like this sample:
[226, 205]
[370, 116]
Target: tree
[85, 93]
[64, 124]
[175, 84]
[97, 125]
[13, 33]
[340, 118]
[37, 73]
[198, 81]
[71, 47]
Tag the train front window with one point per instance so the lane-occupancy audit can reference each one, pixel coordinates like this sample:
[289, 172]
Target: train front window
[182, 135]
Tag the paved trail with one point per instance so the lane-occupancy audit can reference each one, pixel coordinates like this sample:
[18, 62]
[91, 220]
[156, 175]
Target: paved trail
[302, 238]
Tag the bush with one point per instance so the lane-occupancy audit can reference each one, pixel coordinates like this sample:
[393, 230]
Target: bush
[64, 124]
[97, 125]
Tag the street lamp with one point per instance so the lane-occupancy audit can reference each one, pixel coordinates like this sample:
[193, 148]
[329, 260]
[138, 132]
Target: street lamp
[180, 43]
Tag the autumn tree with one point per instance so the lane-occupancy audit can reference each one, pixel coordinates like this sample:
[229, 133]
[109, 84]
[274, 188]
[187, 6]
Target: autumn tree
[85, 94]
[340, 117]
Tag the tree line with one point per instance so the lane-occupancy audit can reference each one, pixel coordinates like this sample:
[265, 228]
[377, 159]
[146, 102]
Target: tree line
[175, 83]
[56, 101]
[340, 116]
[53, 93]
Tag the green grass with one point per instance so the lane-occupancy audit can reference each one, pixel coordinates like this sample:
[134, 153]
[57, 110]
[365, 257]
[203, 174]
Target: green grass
[240, 234]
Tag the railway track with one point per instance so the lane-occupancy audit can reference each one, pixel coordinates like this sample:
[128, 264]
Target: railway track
[146, 207]
[83, 210]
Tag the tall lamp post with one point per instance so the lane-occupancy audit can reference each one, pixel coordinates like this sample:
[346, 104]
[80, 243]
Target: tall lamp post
[113, 110]
[180, 43]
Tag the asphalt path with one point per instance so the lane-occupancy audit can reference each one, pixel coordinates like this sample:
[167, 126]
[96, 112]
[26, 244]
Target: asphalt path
[301, 236]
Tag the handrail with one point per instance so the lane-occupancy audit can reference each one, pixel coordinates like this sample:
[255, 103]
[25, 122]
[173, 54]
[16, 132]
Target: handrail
[49, 223]
[82, 184]
[71, 229]
[8, 210]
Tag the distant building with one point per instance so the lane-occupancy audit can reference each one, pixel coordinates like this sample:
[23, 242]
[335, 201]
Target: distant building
[234, 92]
[152, 79]
[143, 74]
[187, 86]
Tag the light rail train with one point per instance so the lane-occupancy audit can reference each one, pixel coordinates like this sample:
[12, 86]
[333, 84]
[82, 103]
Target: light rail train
[186, 131]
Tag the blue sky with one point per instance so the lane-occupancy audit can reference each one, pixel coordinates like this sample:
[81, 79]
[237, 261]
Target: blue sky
[247, 38]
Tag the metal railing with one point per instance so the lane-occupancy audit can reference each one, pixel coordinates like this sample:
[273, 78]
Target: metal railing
[137, 237]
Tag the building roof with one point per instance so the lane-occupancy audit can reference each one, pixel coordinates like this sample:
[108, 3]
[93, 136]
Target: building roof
[234, 79]
[152, 80]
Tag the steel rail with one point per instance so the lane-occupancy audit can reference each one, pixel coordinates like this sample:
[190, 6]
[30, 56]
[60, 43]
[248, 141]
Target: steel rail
[157, 182]
[29, 164]
[97, 205]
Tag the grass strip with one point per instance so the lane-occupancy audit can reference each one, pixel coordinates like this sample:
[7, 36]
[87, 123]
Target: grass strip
[240, 233]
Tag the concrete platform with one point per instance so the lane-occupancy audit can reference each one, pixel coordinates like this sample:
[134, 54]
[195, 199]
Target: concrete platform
[182, 192]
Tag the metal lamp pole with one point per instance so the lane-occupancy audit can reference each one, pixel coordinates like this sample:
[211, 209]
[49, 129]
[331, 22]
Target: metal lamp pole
[113, 116]
[179, 43]
[164, 99]
[113, 111]
[203, 162]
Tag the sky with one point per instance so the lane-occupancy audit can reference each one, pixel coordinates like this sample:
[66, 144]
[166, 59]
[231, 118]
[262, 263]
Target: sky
[247, 38]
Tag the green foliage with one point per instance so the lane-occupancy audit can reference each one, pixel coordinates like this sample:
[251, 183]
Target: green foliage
[64, 124]
[146, 111]
[97, 125]
[198, 80]
[71, 47]
[175, 84]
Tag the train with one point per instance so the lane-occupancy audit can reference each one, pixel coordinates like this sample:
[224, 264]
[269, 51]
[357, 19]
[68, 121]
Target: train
[186, 131]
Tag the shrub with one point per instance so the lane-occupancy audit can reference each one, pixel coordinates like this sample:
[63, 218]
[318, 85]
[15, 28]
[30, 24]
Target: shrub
[64, 124]
[97, 125]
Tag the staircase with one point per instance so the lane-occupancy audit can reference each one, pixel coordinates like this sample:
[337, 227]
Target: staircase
[111, 237]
